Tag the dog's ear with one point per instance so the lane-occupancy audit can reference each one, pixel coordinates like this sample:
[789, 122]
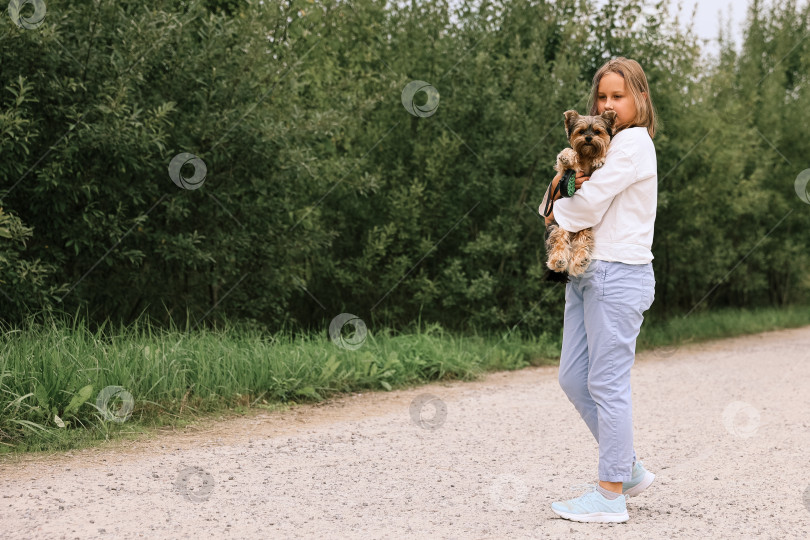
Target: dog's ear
[570, 119]
[610, 117]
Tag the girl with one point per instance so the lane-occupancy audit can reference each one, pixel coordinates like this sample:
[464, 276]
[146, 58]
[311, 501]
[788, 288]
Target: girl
[604, 306]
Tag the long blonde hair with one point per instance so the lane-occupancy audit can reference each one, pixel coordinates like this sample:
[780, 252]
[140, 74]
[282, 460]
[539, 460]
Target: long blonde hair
[636, 82]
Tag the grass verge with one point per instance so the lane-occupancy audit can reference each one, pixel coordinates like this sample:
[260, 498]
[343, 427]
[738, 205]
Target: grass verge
[64, 387]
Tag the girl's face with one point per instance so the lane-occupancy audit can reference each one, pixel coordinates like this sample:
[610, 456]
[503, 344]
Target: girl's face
[613, 96]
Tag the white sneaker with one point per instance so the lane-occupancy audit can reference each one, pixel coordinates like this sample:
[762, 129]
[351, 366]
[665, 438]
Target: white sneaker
[641, 480]
[593, 507]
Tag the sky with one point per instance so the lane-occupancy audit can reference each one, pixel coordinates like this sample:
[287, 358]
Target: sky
[711, 14]
[708, 19]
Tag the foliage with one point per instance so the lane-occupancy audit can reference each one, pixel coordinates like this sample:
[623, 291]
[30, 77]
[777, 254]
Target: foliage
[324, 195]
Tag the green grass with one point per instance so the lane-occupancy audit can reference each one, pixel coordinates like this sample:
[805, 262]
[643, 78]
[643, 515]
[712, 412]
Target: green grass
[718, 324]
[51, 375]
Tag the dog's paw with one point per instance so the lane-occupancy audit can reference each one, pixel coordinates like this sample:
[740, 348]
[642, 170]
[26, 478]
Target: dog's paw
[581, 253]
[558, 255]
[577, 267]
[566, 159]
[557, 264]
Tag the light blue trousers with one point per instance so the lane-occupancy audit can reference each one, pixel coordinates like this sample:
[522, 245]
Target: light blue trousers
[603, 315]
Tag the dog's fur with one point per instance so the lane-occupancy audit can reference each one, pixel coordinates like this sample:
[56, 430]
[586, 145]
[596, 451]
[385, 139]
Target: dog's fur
[589, 137]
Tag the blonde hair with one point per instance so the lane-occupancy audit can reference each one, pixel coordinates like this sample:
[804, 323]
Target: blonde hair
[636, 82]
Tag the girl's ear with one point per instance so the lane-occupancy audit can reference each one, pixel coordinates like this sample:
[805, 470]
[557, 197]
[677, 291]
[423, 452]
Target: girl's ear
[570, 119]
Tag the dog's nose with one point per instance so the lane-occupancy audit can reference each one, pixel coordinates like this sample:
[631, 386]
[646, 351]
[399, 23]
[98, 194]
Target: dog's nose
[588, 139]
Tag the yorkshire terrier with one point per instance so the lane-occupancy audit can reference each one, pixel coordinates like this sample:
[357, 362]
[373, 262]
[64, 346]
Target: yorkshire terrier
[589, 137]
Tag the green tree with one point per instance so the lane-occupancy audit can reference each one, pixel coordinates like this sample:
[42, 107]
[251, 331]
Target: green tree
[325, 195]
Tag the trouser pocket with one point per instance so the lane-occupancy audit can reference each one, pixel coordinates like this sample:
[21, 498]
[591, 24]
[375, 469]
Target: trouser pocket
[626, 285]
[648, 286]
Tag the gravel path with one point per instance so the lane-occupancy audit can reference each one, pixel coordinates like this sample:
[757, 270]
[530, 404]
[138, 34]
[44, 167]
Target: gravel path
[724, 425]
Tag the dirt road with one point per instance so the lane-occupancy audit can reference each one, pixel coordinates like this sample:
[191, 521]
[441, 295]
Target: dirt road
[724, 426]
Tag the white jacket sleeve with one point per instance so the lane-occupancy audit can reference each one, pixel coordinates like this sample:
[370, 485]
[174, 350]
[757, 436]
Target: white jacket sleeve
[586, 207]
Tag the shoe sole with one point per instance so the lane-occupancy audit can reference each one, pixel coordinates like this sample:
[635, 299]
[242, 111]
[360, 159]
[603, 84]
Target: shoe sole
[641, 486]
[595, 517]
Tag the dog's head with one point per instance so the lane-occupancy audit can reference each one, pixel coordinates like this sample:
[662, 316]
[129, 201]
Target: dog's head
[589, 135]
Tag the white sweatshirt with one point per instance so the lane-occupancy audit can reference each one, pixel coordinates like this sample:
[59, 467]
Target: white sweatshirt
[619, 201]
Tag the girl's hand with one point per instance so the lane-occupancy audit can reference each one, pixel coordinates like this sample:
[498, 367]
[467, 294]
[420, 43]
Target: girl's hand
[580, 179]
